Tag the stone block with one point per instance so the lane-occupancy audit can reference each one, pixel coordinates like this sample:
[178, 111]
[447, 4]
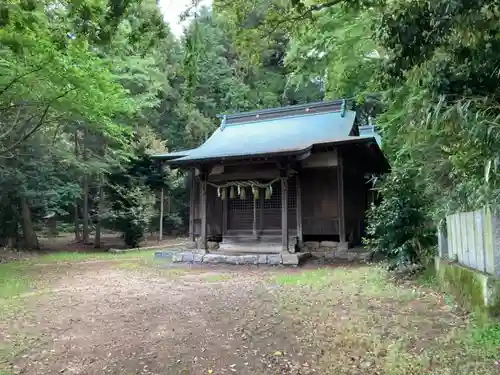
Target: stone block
[341, 254]
[365, 257]
[330, 244]
[290, 259]
[191, 245]
[214, 258]
[312, 245]
[262, 259]
[177, 258]
[351, 257]
[475, 290]
[212, 245]
[232, 259]
[343, 246]
[304, 256]
[198, 258]
[163, 254]
[274, 259]
[249, 259]
[329, 255]
[187, 257]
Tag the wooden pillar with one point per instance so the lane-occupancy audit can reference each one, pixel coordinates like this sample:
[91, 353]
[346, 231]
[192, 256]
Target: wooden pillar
[254, 227]
[261, 210]
[162, 201]
[284, 212]
[203, 211]
[340, 181]
[224, 214]
[300, 238]
[192, 188]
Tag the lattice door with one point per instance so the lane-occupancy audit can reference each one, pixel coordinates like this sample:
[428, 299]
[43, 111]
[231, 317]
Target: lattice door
[240, 212]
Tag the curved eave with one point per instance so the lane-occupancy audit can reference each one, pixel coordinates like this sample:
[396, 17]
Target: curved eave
[296, 153]
[172, 155]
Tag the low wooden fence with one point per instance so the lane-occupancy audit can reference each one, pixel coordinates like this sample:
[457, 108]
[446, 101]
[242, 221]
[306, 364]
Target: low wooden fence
[473, 239]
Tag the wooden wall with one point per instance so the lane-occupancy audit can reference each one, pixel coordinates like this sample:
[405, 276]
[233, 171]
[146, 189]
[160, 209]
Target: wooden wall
[320, 206]
[319, 201]
[214, 211]
[355, 195]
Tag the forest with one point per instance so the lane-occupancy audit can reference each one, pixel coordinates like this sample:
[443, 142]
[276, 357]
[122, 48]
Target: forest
[89, 89]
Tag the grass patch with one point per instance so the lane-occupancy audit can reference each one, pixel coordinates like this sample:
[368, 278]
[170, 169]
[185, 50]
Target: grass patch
[20, 277]
[313, 278]
[371, 281]
[85, 257]
[13, 279]
[427, 278]
[487, 337]
[213, 278]
[363, 322]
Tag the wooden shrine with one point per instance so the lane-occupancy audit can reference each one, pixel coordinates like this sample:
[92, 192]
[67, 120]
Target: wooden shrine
[267, 180]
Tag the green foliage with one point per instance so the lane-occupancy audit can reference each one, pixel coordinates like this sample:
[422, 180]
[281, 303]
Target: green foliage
[429, 71]
[132, 200]
[487, 335]
[343, 55]
[398, 227]
[131, 211]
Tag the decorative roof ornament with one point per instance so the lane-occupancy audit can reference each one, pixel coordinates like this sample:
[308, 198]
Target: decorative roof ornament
[342, 108]
[223, 122]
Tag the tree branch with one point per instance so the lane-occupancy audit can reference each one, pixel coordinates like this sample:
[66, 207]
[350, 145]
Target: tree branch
[9, 85]
[307, 12]
[14, 123]
[37, 126]
[24, 103]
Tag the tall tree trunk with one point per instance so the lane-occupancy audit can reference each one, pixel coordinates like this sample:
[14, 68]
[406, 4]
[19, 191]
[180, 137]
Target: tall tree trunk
[30, 238]
[97, 241]
[78, 236]
[162, 201]
[86, 230]
[13, 224]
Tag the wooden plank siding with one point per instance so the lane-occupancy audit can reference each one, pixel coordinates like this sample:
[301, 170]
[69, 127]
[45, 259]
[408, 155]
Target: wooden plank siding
[355, 204]
[319, 204]
[319, 201]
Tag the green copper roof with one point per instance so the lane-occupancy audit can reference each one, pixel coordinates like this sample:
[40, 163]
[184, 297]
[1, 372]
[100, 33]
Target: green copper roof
[289, 130]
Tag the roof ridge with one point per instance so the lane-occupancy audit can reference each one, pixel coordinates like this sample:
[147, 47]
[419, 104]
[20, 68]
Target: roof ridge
[283, 109]
[225, 125]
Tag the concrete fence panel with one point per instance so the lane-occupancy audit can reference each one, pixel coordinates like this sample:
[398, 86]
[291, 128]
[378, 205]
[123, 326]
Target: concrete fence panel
[473, 239]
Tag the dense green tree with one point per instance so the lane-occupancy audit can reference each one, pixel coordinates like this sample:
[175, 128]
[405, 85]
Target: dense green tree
[82, 81]
[427, 69]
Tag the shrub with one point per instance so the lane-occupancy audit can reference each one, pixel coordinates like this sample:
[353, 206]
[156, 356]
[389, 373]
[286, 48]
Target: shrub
[399, 227]
[132, 211]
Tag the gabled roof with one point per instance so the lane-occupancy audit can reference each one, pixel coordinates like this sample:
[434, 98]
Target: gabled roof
[280, 131]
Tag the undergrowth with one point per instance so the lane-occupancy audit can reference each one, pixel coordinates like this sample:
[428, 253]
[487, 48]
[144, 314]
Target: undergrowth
[469, 345]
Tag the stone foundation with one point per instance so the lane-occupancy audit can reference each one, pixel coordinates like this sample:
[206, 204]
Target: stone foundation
[475, 290]
[332, 251]
[252, 259]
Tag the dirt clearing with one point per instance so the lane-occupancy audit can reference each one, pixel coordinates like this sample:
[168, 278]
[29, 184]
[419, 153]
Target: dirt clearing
[132, 317]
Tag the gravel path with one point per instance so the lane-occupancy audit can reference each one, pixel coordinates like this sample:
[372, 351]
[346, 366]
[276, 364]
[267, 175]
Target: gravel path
[101, 320]
[107, 318]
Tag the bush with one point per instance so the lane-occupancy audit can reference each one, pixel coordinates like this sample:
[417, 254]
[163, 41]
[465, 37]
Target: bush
[399, 227]
[171, 221]
[132, 211]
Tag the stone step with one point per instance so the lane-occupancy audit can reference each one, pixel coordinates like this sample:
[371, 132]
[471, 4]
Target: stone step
[243, 259]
